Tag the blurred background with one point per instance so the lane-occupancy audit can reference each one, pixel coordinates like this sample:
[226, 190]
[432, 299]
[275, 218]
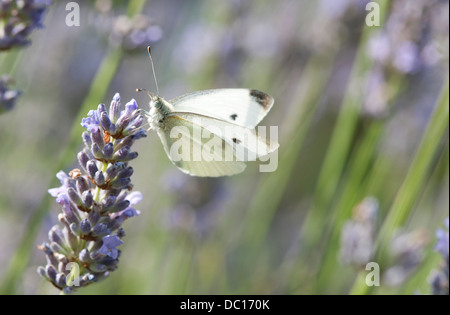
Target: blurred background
[363, 169]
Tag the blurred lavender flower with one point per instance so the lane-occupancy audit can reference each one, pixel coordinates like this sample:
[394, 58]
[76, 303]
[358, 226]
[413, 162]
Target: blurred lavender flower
[406, 253]
[358, 244]
[18, 19]
[95, 200]
[8, 97]
[131, 33]
[439, 278]
[411, 40]
[358, 234]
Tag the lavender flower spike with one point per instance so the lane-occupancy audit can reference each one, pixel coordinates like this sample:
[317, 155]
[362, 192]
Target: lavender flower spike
[95, 201]
[18, 19]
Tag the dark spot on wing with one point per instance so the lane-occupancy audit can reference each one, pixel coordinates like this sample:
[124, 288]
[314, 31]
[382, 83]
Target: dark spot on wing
[234, 116]
[262, 98]
[235, 140]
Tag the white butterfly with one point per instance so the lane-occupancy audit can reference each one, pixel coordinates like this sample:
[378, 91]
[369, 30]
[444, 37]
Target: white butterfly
[215, 129]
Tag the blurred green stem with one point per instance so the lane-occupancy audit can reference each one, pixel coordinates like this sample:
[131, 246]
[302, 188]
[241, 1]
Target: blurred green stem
[409, 193]
[97, 93]
[353, 191]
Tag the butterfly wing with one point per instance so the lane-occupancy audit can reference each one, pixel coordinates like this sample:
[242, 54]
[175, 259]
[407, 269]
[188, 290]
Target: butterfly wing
[243, 107]
[184, 148]
[247, 144]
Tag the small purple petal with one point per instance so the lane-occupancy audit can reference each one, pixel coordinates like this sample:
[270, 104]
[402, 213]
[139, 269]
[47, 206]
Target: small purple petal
[109, 246]
[92, 122]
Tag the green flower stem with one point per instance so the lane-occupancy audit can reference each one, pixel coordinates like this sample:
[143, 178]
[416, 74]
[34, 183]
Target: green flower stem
[353, 191]
[97, 93]
[340, 145]
[409, 192]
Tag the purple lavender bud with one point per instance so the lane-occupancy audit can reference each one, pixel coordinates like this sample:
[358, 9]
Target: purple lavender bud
[114, 109]
[141, 133]
[97, 137]
[130, 107]
[85, 226]
[115, 224]
[84, 256]
[108, 151]
[62, 267]
[122, 154]
[133, 126]
[74, 196]
[87, 199]
[98, 267]
[125, 142]
[128, 172]
[111, 172]
[112, 129]
[93, 217]
[119, 206]
[71, 239]
[108, 202]
[91, 168]
[69, 214]
[120, 183]
[41, 271]
[99, 178]
[96, 256]
[55, 235]
[105, 121]
[130, 156]
[82, 185]
[100, 230]
[83, 159]
[56, 248]
[74, 228]
[60, 280]
[50, 272]
[96, 151]
[101, 108]
[51, 260]
[87, 139]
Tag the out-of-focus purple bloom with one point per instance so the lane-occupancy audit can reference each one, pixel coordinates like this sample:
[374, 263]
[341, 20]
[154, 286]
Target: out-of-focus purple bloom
[409, 39]
[95, 200]
[8, 96]
[129, 33]
[406, 253]
[439, 279]
[442, 240]
[18, 19]
[358, 234]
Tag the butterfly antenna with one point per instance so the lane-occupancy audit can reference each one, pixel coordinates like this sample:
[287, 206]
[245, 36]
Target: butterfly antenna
[153, 69]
